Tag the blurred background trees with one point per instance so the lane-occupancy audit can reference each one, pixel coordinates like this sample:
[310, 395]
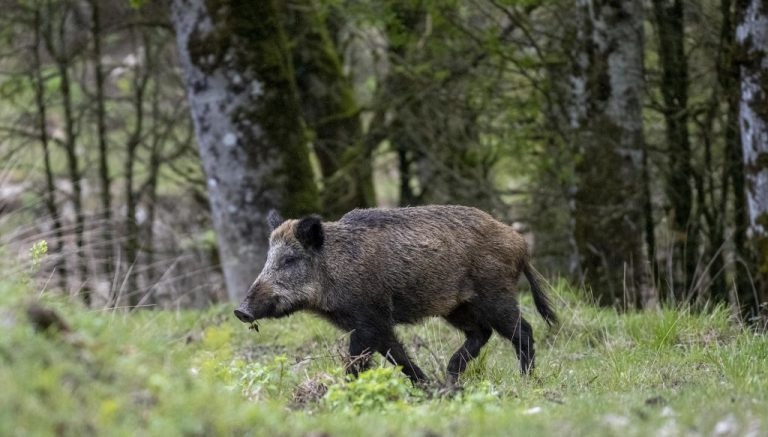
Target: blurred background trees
[146, 140]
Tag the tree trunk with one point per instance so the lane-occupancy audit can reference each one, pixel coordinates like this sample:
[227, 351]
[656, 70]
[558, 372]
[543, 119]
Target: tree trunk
[607, 87]
[734, 162]
[101, 134]
[149, 246]
[155, 149]
[330, 109]
[50, 195]
[752, 39]
[650, 223]
[729, 77]
[716, 215]
[62, 59]
[674, 89]
[131, 247]
[407, 197]
[239, 79]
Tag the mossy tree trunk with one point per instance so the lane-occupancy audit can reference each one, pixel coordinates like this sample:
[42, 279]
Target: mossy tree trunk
[239, 79]
[605, 114]
[752, 40]
[330, 110]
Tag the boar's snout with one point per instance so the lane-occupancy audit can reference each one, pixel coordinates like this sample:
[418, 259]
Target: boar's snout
[243, 314]
[258, 304]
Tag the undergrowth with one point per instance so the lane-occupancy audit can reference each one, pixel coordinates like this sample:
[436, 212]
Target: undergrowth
[155, 372]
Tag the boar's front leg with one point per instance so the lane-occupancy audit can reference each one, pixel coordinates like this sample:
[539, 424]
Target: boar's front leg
[359, 352]
[367, 338]
[394, 351]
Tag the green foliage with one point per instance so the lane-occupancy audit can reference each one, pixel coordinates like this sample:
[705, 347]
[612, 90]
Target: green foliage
[202, 372]
[378, 389]
[253, 379]
[137, 4]
[36, 254]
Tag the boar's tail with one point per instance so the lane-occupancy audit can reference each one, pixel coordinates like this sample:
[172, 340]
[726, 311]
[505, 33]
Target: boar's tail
[542, 302]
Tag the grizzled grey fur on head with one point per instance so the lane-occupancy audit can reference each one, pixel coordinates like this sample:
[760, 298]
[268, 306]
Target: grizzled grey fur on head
[375, 268]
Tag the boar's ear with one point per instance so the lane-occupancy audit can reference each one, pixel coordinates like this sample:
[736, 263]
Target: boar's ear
[309, 232]
[274, 219]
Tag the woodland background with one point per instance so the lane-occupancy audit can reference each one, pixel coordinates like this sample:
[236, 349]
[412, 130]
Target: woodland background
[145, 141]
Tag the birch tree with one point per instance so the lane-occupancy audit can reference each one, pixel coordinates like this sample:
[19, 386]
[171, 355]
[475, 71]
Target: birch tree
[605, 115]
[752, 39]
[239, 79]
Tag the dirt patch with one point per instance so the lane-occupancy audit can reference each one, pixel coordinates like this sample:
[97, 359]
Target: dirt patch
[311, 390]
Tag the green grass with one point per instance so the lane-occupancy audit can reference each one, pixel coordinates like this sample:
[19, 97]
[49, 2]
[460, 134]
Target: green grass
[203, 373]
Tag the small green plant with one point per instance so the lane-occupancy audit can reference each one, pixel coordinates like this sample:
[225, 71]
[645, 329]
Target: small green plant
[373, 390]
[36, 254]
[256, 380]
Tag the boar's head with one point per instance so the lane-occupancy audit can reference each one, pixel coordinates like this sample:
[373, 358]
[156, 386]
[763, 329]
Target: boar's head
[289, 280]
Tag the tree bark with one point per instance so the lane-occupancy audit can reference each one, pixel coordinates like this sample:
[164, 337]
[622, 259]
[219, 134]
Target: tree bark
[239, 79]
[729, 77]
[607, 86]
[674, 89]
[330, 110]
[752, 40]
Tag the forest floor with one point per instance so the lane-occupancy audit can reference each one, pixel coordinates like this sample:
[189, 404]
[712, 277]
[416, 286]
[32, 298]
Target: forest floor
[161, 372]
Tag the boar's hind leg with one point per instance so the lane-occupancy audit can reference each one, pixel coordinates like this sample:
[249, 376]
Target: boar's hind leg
[521, 334]
[523, 341]
[477, 334]
[509, 323]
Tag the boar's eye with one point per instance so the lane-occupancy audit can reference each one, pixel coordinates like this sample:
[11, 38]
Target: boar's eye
[289, 261]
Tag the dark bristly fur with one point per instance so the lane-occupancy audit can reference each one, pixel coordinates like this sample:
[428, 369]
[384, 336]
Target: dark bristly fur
[376, 268]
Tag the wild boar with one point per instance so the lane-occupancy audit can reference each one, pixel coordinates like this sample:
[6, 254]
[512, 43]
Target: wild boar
[375, 268]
